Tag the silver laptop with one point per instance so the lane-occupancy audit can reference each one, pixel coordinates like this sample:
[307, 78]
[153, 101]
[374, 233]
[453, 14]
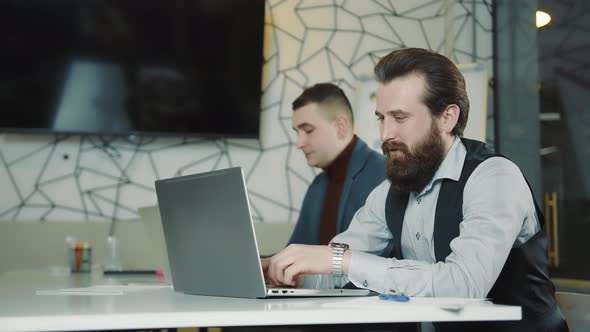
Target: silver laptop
[210, 238]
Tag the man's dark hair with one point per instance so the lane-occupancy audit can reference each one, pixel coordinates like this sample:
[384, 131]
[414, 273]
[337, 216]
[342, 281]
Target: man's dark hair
[444, 83]
[323, 94]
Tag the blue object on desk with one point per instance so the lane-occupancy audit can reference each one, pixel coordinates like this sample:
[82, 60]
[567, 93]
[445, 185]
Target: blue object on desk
[394, 297]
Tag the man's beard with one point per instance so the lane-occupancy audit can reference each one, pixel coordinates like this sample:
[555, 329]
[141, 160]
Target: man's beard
[411, 171]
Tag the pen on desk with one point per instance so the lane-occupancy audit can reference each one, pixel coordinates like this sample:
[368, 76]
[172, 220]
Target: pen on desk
[394, 296]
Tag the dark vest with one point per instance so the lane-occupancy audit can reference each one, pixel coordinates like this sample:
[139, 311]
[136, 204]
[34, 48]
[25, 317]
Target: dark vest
[524, 279]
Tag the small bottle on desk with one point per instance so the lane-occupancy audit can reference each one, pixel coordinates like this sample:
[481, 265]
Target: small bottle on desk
[112, 259]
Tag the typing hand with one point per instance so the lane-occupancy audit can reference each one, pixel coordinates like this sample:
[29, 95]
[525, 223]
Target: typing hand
[265, 262]
[288, 266]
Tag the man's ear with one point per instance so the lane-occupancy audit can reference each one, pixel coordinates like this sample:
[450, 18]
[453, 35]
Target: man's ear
[449, 118]
[342, 126]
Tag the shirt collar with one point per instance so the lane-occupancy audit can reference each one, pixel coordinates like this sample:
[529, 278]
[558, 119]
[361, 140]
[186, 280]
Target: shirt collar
[451, 166]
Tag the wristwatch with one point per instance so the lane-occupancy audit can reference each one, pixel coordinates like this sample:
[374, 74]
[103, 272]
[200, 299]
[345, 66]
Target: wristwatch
[338, 250]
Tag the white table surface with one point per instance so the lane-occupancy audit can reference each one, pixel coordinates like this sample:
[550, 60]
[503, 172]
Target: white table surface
[21, 309]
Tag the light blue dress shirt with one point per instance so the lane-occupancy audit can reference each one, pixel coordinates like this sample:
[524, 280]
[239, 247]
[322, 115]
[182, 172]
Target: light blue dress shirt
[498, 214]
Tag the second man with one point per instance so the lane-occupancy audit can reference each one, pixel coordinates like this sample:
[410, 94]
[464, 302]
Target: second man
[323, 121]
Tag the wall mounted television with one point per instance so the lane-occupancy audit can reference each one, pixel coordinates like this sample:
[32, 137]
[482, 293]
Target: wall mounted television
[128, 67]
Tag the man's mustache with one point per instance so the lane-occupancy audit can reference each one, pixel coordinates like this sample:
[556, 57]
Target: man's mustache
[390, 145]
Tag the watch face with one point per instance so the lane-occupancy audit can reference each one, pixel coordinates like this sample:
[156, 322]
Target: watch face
[339, 245]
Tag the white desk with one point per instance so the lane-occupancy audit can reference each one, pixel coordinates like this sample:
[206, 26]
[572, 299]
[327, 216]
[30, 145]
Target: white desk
[22, 310]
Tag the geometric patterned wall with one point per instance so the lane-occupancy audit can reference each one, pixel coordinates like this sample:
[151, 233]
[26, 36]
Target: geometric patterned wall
[102, 178]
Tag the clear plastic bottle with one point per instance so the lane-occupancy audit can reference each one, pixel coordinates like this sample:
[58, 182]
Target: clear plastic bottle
[112, 257]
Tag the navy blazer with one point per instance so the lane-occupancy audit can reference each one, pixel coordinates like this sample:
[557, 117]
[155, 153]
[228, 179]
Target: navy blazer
[366, 170]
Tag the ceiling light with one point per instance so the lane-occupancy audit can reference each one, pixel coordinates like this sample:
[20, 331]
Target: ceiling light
[542, 19]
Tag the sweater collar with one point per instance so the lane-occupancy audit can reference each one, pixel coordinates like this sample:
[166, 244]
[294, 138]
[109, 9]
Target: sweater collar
[337, 169]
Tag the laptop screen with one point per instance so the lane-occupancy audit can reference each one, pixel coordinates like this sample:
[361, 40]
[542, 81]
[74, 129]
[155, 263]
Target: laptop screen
[209, 234]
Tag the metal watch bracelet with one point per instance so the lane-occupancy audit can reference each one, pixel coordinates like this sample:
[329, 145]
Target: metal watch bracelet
[338, 250]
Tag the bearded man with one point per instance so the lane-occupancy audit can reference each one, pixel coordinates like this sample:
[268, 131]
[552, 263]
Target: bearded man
[453, 219]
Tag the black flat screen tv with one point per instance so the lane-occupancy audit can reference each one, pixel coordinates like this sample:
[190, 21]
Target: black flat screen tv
[128, 67]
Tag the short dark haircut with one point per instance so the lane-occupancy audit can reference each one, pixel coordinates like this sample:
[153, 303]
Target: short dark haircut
[444, 83]
[323, 94]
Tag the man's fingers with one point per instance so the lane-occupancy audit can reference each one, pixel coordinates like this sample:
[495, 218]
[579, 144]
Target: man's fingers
[291, 274]
[270, 273]
[275, 270]
[285, 267]
[265, 262]
[278, 266]
[281, 262]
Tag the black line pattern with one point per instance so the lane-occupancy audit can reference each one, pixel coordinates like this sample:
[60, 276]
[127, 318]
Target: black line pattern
[101, 178]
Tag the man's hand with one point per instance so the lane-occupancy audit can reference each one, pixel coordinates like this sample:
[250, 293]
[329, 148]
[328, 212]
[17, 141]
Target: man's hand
[265, 262]
[285, 267]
